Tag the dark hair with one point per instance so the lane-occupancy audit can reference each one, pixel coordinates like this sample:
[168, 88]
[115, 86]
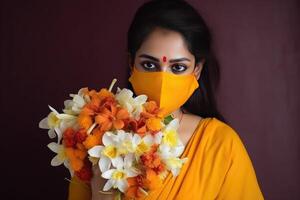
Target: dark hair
[179, 16]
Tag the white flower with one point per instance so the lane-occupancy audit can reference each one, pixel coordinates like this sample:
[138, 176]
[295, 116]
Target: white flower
[170, 135]
[61, 157]
[132, 105]
[108, 153]
[142, 144]
[170, 156]
[74, 106]
[117, 177]
[124, 142]
[57, 123]
[171, 148]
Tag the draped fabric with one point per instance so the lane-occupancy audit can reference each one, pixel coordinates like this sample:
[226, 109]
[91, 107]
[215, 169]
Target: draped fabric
[218, 167]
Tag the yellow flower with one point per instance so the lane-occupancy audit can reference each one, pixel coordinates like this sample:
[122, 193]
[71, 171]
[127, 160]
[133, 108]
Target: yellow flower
[170, 138]
[110, 151]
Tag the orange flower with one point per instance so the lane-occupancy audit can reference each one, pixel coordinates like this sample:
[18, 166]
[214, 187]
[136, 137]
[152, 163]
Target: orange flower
[93, 139]
[85, 173]
[98, 99]
[154, 124]
[134, 190]
[111, 116]
[84, 121]
[152, 110]
[76, 157]
[152, 180]
[137, 126]
[71, 137]
[74, 149]
[150, 160]
[103, 93]
[139, 185]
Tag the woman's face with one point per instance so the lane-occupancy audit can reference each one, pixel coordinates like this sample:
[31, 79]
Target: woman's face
[165, 50]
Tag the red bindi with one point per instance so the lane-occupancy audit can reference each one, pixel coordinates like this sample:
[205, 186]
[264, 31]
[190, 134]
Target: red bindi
[164, 59]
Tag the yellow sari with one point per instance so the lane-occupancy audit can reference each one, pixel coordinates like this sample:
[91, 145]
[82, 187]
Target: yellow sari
[218, 167]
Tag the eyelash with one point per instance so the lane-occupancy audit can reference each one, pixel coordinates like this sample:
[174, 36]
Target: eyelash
[147, 68]
[155, 67]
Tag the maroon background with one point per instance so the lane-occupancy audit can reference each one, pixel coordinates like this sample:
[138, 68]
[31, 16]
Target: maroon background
[52, 48]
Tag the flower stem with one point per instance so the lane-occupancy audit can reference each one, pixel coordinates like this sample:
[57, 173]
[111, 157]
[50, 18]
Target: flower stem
[91, 128]
[112, 84]
[118, 196]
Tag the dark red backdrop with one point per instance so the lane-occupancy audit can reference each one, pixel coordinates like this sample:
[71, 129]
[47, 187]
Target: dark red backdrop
[52, 48]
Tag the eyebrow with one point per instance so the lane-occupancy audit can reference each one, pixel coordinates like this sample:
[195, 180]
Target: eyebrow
[157, 60]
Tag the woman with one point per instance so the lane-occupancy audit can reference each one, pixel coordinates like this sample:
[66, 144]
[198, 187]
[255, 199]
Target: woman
[171, 61]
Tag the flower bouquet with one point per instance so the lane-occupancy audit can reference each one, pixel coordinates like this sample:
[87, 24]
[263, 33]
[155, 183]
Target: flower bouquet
[128, 137]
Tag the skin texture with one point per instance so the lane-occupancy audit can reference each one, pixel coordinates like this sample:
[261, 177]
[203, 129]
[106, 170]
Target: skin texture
[163, 46]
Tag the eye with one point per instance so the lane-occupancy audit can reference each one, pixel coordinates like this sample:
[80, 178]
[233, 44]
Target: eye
[149, 66]
[178, 68]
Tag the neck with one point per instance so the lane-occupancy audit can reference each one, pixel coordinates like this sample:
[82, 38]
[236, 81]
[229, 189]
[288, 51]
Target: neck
[177, 113]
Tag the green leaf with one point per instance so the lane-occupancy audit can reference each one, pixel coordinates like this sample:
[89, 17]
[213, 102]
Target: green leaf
[168, 119]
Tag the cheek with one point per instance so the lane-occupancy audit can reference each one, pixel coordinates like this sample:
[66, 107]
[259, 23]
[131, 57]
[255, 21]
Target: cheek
[137, 65]
[190, 69]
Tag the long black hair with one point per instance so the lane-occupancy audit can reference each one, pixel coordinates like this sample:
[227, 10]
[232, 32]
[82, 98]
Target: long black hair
[179, 16]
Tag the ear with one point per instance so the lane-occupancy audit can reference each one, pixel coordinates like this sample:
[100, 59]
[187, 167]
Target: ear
[198, 68]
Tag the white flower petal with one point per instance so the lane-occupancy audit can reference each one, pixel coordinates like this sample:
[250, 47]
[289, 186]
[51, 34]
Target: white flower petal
[148, 139]
[157, 138]
[174, 124]
[56, 161]
[129, 107]
[59, 134]
[108, 138]
[51, 133]
[122, 185]
[54, 147]
[64, 124]
[67, 165]
[136, 139]
[118, 90]
[95, 151]
[79, 100]
[65, 116]
[129, 158]
[107, 174]
[175, 171]
[132, 172]
[177, 151]
[104, 163]
[164, 148]
[68, 103]
[118, 162]
[53, 110]
[141, 99]
[108, 185]
[44, 123]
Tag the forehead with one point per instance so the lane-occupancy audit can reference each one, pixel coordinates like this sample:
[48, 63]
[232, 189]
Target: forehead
[163, 42]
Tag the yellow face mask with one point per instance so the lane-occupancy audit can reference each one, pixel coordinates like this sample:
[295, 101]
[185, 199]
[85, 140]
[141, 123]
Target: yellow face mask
[169, 90]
